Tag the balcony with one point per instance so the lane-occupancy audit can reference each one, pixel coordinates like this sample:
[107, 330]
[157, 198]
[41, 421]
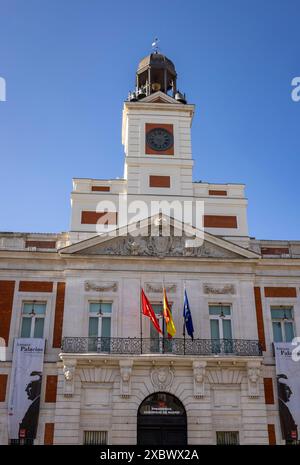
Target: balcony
[176, 346]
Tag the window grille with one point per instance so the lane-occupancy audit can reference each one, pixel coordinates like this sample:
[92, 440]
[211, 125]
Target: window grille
[227, 438]
[95, 438]
[21, 442]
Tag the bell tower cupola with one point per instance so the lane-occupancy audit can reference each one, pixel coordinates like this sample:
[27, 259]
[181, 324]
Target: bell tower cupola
[156, 73]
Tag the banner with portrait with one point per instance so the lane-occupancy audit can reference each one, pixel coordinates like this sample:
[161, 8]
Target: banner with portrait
[25, 388]
[288, 385]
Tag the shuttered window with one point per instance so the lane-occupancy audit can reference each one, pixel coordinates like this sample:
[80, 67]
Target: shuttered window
[228, 438]
[95, 438]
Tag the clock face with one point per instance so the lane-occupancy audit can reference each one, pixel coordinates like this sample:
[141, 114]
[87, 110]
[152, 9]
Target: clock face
[159, 139]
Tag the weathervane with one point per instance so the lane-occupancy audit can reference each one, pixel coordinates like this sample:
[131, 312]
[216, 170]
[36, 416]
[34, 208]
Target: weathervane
[155, 45]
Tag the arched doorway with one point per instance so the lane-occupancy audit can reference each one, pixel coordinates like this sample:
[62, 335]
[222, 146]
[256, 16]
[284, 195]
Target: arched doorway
[162, 421]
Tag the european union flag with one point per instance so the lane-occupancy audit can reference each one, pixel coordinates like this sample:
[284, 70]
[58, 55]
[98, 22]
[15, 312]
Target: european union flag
[188, 322]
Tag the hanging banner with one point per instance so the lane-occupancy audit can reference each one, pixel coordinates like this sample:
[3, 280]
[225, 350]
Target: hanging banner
[288, 384]
[25, 388]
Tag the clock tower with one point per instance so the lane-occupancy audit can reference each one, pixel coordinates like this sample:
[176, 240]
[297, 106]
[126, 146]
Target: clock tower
[156, 132]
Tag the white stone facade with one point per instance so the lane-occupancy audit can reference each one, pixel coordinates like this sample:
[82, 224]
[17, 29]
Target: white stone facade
[102, 391]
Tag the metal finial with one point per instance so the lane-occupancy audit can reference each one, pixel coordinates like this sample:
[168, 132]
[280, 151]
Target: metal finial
[155, 45]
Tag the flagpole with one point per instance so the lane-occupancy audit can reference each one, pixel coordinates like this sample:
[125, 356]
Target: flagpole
[141, 319]
[163, 318]
[184, 290]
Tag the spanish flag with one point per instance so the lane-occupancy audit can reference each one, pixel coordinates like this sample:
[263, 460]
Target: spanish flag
[171, 330]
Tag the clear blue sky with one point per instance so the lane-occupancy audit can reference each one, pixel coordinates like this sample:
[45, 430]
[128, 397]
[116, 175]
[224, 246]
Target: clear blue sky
[69, 65]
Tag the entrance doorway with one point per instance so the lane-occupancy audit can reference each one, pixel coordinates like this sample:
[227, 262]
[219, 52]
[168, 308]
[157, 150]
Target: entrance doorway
[161, 421]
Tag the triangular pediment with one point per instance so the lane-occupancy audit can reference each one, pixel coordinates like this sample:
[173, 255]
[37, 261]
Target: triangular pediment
[159, 236]
[160, 97]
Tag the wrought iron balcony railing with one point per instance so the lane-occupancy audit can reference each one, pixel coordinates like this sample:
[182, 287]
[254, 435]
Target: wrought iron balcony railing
[177, 346]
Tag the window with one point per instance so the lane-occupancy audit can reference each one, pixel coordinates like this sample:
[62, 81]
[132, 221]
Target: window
[95, 438]
[228, 438]
[157, 342]
[33, 318]
[220, 328]
[100, 326]
[282, 323]
[220, 321]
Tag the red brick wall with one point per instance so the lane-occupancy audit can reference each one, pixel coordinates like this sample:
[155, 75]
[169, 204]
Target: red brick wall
[88, 217]
[274, 250]
[216, 192]
[49, 434]
[59, 315]
[219, 221]
[7, 289]
[51, 388]
[259, 317]
[269, 392]
[3, 384]
[280, 292]
[35, 286]
[101, 188]
[41, 244]
[159, 181]
[272, 435]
